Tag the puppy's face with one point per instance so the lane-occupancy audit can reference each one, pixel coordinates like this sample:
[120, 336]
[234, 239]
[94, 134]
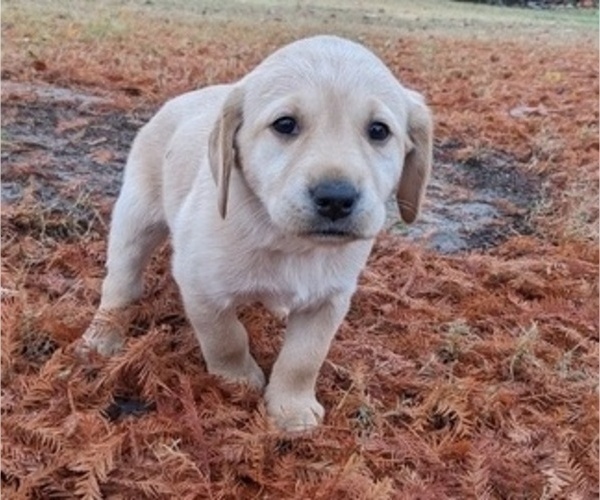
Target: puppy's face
[323, 159]
[323, 137]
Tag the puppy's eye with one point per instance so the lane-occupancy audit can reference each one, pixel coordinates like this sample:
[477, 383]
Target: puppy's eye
[286, 125]
[378, 131]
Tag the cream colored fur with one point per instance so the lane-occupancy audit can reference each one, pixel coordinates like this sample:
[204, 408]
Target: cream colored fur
[234, 195]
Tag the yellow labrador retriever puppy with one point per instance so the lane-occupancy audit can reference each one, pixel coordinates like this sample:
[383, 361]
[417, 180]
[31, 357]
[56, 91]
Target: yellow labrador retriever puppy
[273, 189]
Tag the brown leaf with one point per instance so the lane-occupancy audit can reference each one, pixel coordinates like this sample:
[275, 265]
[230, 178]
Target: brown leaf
[103, 156]
[73, 124]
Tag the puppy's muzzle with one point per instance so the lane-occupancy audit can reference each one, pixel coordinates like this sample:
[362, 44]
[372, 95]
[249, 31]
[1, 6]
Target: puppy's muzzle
[334, 200]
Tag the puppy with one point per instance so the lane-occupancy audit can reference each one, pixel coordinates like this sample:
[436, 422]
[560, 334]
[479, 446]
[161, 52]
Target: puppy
[272, 189]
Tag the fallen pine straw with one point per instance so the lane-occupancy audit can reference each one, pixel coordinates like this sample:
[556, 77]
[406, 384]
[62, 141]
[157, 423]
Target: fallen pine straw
[451, 376]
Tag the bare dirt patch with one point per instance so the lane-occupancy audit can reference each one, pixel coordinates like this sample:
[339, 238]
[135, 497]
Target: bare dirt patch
[74, 140]
[477, 203]
[63, 152]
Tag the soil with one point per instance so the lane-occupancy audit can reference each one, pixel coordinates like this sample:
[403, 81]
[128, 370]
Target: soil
[81, 147]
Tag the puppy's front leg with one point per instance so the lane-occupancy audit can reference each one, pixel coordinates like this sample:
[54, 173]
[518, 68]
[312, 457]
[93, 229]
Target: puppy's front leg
[290, 394]
[224, 343]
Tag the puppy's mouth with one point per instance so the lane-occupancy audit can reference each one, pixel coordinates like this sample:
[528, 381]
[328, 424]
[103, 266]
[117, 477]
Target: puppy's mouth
[332, 235]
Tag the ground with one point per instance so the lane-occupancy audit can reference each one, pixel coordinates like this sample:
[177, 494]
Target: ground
[468, 364]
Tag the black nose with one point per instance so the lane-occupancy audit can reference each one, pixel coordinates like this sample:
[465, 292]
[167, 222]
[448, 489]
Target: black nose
[334, 199]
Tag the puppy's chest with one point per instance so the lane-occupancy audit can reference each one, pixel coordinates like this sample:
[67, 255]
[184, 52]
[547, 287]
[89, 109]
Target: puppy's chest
[289, 281]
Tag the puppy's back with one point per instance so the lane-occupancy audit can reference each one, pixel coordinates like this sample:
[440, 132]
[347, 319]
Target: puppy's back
[169, 150]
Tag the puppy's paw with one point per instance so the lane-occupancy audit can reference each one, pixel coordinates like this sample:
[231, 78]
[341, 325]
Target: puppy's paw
[294, 414]
[103, 341]
[280, 312]
[254, 375]
[106, 333]
[248, 373]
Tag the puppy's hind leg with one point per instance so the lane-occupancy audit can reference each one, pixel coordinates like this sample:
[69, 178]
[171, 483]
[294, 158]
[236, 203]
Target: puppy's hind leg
[137, 228]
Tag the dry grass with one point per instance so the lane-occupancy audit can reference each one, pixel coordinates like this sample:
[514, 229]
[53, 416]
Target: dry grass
[465, 376]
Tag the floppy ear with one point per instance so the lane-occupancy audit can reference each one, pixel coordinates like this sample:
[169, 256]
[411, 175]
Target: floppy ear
[417, 163]
[222, 153]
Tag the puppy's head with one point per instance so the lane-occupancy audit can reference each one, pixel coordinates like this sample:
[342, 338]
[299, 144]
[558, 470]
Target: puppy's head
[323, 133]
